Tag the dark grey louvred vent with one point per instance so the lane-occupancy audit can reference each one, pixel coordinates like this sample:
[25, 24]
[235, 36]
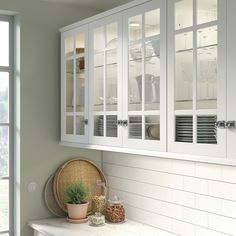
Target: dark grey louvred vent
[184, 129]
[206, 131]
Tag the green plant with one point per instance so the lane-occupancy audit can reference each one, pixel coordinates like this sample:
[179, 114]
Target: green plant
[76, 193]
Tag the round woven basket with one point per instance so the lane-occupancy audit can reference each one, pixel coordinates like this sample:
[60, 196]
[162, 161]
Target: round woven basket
[78, 170]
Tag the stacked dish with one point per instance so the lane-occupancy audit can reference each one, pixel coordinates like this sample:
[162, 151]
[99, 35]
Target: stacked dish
[184, 129]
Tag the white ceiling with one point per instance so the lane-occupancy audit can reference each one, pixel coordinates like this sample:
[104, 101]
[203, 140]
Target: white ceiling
[95, 4]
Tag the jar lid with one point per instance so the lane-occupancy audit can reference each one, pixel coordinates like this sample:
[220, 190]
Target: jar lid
[115, 200]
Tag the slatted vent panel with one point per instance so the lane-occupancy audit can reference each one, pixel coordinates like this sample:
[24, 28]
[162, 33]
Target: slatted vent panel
[184, 129]
[206, 131]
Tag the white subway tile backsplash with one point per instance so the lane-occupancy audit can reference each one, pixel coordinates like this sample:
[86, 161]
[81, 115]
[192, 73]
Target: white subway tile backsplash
[229, 208]
[222, 190]
[195, 217]
[208, 171]
[185, 198]
[209, 204]
[196, 185]
[182, 228]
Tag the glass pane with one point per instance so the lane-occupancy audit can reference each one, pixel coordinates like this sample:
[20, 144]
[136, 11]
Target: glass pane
[136, 52]
[4, 205]
[4, 97]
[206, 11]
[207, 36]
[80, 84]
[207, 78]
[4, 43]
[206, 130]
[69, 86]
[135, 86]
[99, 38]
[152, 23]
[135, 27]
[69, 46]
[111, 126]
[207, 68]
[111, 56]
[111, 88]
[98, 125]
[152, 127]
[98, 90]
[69, 125]
[112, 35]
[152, 77]
[80, 43]
[184, 71]
[80, 125]
[99, 59]
[184, 129]
[135, 127]
[183, 14]
[4, 151]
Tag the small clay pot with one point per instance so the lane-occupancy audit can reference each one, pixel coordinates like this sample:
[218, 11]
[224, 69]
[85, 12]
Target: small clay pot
[77, 211]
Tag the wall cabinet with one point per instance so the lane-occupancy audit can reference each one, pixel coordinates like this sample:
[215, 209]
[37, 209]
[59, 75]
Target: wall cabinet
[130, 84]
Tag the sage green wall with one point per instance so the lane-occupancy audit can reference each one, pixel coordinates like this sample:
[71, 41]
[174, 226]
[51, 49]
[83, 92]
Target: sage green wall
[40, 153]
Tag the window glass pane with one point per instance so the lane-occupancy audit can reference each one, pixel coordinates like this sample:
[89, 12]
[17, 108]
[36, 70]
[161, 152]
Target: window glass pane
[152, 127]
[4, 97]
[80, 84]
[112, 35]
[80, 43]
[98, 125]
[69, 125]
[111, 126]
[99, 38]
[4, 205]
[184, 129]
[152, 23]
[206, 11]
[4, 151]
[69, 86]
[135, 127]
[69, 46]
[135, 27]
[184, 71]
[183, 14]
[4, 43]
[98, 95]
[80, 125]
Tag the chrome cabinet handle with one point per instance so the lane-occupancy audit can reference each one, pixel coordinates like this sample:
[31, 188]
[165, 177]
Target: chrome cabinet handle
[125, 123]
[221, 124]
[230, 124]
[119, 122]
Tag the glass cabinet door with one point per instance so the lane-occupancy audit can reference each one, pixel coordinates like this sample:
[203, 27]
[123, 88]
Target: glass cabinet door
[145, 78]
[106, 79]
[197, 76]
[74, 86]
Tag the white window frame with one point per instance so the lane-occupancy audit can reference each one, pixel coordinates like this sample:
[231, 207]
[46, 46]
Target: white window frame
[10, 124]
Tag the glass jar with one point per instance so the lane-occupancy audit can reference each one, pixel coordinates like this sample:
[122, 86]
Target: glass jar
[97, 219]
[115, 212]
[99, 204]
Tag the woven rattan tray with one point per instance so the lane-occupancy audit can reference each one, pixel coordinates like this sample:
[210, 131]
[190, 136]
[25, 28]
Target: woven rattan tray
[49, 199]
[77, 170]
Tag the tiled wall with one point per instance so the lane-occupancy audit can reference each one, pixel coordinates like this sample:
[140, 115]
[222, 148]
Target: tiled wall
[186, 198]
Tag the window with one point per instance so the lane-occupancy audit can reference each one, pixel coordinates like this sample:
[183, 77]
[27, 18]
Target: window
[6, 127]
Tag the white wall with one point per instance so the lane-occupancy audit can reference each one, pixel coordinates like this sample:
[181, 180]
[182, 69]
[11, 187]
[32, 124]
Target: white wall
[183, 197]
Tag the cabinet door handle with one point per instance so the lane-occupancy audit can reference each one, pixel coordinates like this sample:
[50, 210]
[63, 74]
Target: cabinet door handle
[230, 124]
[221, 124]
[119, 122]
[125, 123]
[86, 121]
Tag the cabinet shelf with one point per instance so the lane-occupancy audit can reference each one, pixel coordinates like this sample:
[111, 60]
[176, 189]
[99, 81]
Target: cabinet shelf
[191, 49]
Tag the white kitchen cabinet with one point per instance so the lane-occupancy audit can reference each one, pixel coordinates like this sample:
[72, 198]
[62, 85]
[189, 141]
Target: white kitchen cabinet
[105, 80]
[157, 76]
[74, 85]
[144, 78]
[197, 77]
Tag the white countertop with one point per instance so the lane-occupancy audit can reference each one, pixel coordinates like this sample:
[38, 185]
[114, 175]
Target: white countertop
[60, 227]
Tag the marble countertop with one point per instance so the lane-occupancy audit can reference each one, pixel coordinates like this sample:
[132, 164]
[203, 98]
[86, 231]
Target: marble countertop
[60, 227]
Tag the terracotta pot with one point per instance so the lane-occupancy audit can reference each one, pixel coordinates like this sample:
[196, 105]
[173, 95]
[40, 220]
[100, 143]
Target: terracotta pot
[77, 211]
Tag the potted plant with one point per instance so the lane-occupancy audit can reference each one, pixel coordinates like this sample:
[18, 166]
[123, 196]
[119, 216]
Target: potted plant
[77, 205]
